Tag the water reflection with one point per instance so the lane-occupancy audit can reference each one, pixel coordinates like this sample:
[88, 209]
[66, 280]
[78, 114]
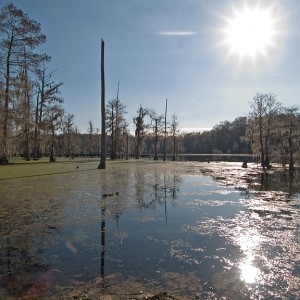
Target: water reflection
[282, 180]
[24, 232]
[102, 263]
[152, 189]
[23, 267]
[248, 241]
[159, 227]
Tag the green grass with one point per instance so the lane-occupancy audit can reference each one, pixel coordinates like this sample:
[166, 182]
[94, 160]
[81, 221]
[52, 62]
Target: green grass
[19, 168]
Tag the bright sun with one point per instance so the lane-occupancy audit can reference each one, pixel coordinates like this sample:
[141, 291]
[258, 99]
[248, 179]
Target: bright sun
[250, 32]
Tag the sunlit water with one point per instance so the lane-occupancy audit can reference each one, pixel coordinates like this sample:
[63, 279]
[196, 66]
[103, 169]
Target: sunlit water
[165, 227]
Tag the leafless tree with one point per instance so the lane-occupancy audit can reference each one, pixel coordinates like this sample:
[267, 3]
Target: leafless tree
[262, 125]
[140, 127]
[53, 120]
[289, 132]
[116, 126]
[69, 130]
[48, 93]
[174, 131]
[91, 133]
[157, 126]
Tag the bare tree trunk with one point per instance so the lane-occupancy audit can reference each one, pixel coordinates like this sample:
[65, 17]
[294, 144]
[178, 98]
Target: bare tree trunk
[261, 143]
[27, 146]
[4, 154]
[138, 143]
[115, 131]
[102, 164]
[36, 134]
[174, 148]
[112, 154]
[127, 146]
[156, 141]
[139, 121]
[52, 146]
[40, 114]
[291, 154]
[165, 130]
[27, 116]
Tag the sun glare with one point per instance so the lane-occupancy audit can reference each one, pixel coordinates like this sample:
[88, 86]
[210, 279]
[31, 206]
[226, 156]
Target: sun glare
[249, 273]
[249, 240]
[250, 32]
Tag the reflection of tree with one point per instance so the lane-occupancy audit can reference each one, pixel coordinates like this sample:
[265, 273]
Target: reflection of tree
[293, 182]
[174, 189]
[291, 175]
[102, 261]
[25, 265]
[139, 188]
[264, 181]
[165, 197]
[280, 181]
[30, 225]
[171, 189]
[154, 189]
[10, 281]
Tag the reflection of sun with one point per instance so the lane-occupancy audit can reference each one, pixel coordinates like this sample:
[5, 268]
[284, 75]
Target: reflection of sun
[249, 241]
[251, 32]
[249, 273]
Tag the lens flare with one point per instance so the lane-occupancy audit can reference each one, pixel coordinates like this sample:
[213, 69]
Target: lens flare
[71, 247]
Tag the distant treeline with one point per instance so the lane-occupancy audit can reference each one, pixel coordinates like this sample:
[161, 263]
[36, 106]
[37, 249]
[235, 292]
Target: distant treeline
[224, 138]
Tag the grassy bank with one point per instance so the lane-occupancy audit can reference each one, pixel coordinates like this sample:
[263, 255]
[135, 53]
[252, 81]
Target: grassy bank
[20, 168]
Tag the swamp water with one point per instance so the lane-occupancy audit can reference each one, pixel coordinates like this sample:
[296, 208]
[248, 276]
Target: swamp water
[147, 227]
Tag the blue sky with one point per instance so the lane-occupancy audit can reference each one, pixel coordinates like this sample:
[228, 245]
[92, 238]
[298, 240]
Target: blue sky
[161, 49]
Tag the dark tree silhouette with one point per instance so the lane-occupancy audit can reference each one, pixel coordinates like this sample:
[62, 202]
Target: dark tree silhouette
[140, 129]
[102, 164]
[174, 132]
[116, 126]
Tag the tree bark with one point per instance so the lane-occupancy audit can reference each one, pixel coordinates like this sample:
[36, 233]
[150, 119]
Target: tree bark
[174, 148]
[102, 164]
[4, 154]
[164, 159]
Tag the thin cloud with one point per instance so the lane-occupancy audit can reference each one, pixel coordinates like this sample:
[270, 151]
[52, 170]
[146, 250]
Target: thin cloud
[177, 33]
[194, 129]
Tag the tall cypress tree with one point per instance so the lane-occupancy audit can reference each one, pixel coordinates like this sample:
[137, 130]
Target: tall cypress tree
[20, 35]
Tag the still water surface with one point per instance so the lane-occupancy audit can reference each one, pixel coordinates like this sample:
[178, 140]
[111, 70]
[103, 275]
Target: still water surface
[163, 226]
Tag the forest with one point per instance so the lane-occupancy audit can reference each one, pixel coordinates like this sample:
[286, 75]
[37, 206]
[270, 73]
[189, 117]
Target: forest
[34, 123]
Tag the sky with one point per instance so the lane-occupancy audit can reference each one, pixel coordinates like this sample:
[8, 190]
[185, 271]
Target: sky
[186, 51]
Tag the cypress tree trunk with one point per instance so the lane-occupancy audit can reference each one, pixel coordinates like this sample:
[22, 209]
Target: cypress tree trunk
[174, 148]
[4, 154]
[164, 159]
[102, 164]
[156, 141]
[262, 153]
